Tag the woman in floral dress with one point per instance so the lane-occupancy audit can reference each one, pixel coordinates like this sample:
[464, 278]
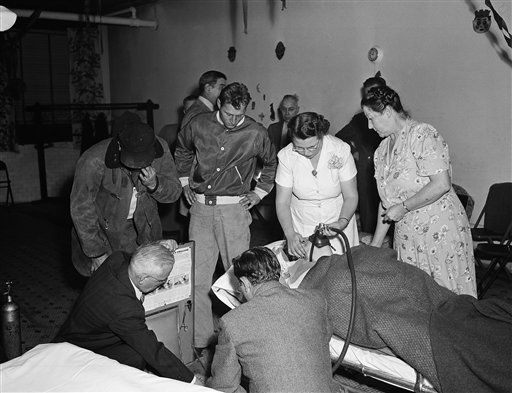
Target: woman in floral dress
[315, 183]
[413, 173]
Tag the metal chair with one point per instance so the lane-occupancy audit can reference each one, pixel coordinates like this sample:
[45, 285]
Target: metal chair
[499, 254]
[497, 214]
[5, 182]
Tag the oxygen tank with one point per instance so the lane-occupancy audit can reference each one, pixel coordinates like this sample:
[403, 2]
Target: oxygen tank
[11, 326]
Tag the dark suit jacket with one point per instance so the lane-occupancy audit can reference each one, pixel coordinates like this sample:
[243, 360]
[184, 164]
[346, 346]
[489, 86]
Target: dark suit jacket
[107, 313]
[279, 340]
[274, 132]
[364, 141]
[195, 109]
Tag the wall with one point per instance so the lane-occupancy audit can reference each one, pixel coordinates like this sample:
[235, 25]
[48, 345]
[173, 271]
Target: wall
[446, 74]
[24, 171]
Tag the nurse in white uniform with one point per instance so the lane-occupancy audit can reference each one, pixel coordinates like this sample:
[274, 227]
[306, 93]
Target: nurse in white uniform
[315, 183]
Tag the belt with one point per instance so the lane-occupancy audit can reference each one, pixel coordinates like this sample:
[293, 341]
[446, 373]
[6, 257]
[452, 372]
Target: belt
[212, 200]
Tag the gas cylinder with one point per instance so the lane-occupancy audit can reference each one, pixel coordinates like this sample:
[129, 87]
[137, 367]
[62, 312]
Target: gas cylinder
[11, 325]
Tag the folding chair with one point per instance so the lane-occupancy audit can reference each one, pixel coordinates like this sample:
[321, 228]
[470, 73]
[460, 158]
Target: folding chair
[497, 214]
[5, 182]
[499, 255]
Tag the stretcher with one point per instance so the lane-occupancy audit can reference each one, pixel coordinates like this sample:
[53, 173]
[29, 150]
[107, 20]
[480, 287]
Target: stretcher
[378, 364]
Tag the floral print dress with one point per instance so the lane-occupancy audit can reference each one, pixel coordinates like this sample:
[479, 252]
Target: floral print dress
[435, 238]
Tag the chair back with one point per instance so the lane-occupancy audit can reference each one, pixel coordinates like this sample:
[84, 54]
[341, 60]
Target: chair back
[498, 208]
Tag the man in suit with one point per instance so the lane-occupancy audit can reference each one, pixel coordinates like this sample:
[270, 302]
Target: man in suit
[108, 317]
[169, 132]
[278, 339]
[211, 84]
[363, 142]
[278, 132]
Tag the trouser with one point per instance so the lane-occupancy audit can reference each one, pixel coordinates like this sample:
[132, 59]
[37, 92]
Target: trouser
[219, 228]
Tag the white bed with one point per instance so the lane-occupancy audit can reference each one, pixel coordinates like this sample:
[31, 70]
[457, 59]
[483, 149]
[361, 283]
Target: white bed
[372, 363]
[64, 367]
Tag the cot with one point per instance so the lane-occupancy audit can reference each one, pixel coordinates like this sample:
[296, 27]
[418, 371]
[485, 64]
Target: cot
[378, 364]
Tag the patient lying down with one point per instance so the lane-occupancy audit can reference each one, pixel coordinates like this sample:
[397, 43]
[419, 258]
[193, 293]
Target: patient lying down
[458, 343]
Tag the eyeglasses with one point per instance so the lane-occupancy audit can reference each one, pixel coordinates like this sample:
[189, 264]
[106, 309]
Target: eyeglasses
[309, 149]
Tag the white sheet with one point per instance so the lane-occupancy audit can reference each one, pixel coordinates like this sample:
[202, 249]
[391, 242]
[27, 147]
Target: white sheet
[65, 367]
[226, 289]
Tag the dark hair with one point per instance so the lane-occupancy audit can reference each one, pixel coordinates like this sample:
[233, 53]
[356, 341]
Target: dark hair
[258, 264]
[374, 80]
[209, 78]
[378, 98]
[235, 94]
[306, 125]
[189, 98]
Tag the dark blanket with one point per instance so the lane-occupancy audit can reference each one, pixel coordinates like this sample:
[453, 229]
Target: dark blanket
[395, 301]
[472, 345]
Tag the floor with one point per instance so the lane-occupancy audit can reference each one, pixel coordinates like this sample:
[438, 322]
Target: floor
[34, 255]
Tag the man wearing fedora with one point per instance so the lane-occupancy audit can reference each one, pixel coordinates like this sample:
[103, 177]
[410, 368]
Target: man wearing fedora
[117, 185]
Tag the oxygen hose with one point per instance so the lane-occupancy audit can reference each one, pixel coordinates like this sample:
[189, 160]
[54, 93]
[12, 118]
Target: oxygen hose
[350, 261]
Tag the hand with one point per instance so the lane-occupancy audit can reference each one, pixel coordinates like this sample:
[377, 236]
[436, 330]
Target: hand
[249, 200]
[190, 195]
[200, 379]
[296, 245]
[170, 244]
[394, 213]
[341, 224]
[148, 177]
[96, 262]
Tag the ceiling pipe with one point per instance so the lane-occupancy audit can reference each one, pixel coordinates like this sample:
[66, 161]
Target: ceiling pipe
[104, 20]
[130, 10]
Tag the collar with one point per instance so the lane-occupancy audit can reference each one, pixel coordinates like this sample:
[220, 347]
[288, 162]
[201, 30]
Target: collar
[217, 114]
[138, 293]
[266, 286]
[206, 102]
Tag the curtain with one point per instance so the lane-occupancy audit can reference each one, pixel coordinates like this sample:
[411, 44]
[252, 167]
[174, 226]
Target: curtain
[86, 85]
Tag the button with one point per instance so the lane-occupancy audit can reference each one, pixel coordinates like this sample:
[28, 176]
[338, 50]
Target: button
[222, 148]
[210, 202]
[209, 186]
[218, 169]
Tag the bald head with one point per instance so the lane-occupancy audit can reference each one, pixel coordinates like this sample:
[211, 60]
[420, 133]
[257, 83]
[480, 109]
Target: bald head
[150, 266]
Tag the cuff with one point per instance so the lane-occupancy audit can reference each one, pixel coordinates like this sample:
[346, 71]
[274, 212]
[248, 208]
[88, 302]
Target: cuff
[193, 380]
[261, 193]
[184, 181]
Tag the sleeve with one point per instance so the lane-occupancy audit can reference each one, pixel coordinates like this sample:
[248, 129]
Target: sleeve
[226, 369]
[267, 153]
[130, 325]
[429, 150]
[345, 162]
[168, 189]
[184, 154]
[284, 175]
[89, 173]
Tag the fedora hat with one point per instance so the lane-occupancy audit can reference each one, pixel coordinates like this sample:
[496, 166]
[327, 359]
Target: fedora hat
[135, 146]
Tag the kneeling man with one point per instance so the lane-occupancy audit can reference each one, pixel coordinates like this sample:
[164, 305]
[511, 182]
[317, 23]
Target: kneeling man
[108, 317]
[278, 339]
